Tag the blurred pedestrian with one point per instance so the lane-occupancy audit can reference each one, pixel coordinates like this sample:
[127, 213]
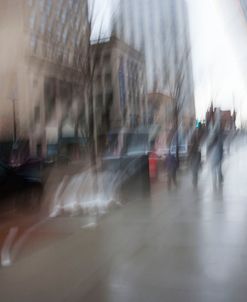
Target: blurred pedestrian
[171, 168]
[215, 151]
[195, 158]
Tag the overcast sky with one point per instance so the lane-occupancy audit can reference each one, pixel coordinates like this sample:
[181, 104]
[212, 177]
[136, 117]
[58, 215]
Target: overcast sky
[216, 71]
[103, 11]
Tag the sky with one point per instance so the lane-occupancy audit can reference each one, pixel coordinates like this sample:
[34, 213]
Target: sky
[103, 11]
[216, 70]
[217, 74]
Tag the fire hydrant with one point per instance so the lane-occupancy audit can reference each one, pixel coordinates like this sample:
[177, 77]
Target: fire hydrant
[152, 160]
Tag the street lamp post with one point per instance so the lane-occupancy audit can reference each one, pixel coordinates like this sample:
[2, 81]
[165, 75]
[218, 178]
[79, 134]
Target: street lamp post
[14, 121]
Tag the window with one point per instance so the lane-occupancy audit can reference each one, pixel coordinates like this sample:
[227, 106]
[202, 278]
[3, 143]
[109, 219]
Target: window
[49, 52]
[30, 3]
[44, 51]
[108, 79]
[37, 113]
[77, 40]
[97, 60]
[98, 80]
[63, 16]
[59, 54]
[65, 35]
[65, 57]
[59, 8]
[32, 20]
[59, 31]
[48, 7]
[33, 43]
[43, 24]
[99, 108]
[76, 5]
[35, 83]
[41, 4]
[109, 99]
[99, 98]
[49, 27]
[71, 57]
[77, 23]
[107, 58]
[50, 97]
[71, 3]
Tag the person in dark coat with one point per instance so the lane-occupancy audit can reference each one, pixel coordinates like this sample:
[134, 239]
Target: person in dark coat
[171, 168]
[195, 158]
[215, 151]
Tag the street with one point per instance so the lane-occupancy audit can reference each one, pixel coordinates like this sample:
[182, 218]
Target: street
[180, 245]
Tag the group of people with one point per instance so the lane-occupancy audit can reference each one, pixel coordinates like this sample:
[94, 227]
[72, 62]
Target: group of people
[214, 155]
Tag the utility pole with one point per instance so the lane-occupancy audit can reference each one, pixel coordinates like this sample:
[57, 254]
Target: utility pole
[14, 121]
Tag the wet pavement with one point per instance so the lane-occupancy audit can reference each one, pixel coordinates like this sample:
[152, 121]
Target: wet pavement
[180, 245]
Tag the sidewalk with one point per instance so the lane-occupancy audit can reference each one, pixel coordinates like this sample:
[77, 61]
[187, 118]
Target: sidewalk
[13, 215]
[178, 245]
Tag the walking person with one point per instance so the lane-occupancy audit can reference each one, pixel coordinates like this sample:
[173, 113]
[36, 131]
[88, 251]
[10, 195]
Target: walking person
[195, 158]
[215, 151]
[171, 168]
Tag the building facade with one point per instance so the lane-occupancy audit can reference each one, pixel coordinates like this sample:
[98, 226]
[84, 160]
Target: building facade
[161, 117]
[119, 90]
[160, 29]
[42, 43]
[161, 109]
[216, 118]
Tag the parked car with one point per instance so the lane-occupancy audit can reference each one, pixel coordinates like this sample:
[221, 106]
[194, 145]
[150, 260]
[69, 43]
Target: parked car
[127, 155]
[21, 173]
[182, 150]
[23, 165]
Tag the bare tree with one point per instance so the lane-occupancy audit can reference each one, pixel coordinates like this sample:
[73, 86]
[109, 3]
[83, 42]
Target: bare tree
[86, 63]
[176, 86]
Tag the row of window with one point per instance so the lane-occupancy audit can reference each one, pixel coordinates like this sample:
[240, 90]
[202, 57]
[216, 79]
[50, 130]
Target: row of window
[52, 53]
[102, 59]
[107, 79]
[45, 5]
[43, 22]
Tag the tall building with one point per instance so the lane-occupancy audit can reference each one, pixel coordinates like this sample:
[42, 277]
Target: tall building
[160, 28]
[119, 90]
[40, 69]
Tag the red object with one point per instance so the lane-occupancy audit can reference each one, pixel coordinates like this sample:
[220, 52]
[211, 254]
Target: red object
[152, 160]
